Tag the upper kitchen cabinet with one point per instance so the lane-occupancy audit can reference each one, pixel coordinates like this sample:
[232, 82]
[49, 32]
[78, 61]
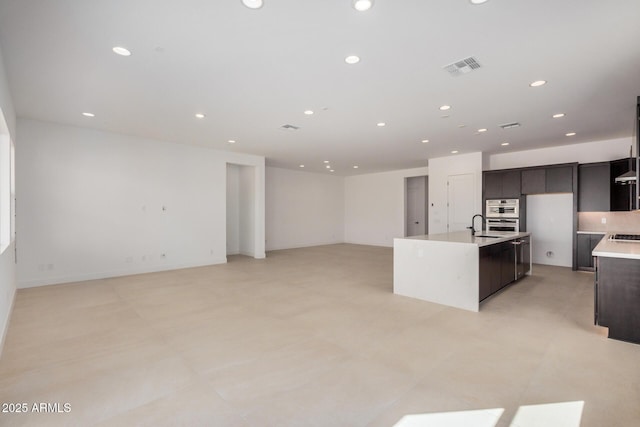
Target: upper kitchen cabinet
[502, 184]
[534, 181]
[559, 179]
[621, 195]
[594, 187]
[552, 179]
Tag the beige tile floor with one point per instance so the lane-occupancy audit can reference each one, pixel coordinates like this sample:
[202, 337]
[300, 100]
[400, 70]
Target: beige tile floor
[307, 337]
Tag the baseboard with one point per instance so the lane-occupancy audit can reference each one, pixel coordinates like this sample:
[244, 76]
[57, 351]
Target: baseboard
[303, 245]
[22, 284]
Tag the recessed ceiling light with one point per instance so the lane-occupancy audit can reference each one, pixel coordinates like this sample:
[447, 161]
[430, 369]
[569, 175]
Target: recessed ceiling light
[121, 51]
[253, 4]
[478, 1]
[352, 59]
[355, 167]
[445, 107]
[326, 161]
[557, 116]
[301, 166]
[231, 141]
[382, 124]
[88, 114]
[538, 83]
[331, 170]
[571, 134]
[505, 143]
[328, 166]
[454, 152]
[362, 5]
[308, 112]
[424, 141]
[462, 126]
[200, 116]
[482, 130]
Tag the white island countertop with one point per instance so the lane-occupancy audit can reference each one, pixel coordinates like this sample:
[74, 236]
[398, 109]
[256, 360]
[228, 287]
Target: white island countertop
[613, 249]
[443, 268]
[466, 237]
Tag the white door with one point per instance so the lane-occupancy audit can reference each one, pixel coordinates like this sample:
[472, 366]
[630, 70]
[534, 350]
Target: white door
[416, 216]
[461, 201]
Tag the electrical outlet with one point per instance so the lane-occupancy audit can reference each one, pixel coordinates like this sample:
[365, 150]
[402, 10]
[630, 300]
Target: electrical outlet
[603, 220]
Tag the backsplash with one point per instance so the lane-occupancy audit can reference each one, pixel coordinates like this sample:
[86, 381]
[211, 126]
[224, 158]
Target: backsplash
[616, 221]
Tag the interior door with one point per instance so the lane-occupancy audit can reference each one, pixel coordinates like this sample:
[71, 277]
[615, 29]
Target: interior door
[461, 201]
[416, 212]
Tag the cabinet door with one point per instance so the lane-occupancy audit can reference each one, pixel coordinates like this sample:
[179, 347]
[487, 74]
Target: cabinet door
[486, 267]
[508, 264]
[493, 185]
[511, 184]
[621, 195]
[594, 240]
[594, 187]
[559, 180]
[619, 297]
[534, 181]
[524, 262]
[584, 251]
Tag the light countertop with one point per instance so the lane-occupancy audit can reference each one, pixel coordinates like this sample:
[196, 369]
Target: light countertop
[466, 237]
[592, 232]
[613, 249]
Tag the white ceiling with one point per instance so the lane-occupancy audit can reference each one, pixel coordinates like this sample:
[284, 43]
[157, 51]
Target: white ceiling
[252, 71]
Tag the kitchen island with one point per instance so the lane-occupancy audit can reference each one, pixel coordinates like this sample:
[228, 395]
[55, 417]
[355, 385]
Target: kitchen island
[458, 269]
[617, 288]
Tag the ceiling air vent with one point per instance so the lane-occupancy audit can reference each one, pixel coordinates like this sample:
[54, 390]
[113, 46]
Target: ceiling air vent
[510, 125]
[462, 66]
[289, 127]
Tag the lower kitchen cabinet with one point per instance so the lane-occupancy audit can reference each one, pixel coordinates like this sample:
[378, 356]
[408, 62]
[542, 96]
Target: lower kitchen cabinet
[499, 264]
[586, 244]
[618, 297]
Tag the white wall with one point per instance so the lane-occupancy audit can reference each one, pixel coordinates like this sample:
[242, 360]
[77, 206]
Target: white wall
[7, 261]
[247, 211]
[598, 151]
[374, 206]
[97, 204]
[233, 209]
[303, 209]
[439, 170]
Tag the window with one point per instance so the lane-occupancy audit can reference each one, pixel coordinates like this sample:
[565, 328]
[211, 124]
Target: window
[7, 186]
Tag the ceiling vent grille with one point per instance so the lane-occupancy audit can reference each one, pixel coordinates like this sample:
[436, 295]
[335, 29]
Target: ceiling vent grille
[289, 128]
[462, 66]
[510, 125]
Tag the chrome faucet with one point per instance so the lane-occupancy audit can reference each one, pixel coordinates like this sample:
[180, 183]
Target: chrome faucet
[472, 228]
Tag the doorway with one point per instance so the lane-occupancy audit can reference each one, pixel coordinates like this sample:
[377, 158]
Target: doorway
[241, 210]
[416, 202]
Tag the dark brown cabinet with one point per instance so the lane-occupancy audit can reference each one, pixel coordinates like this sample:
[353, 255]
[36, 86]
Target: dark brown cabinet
[547, 180]
[534, 181]
[594, 187]
[585, 245]
[502, 185]
[559, 180]
[489, 270]
[498, 265]
[507, 264]
[617, 299]
[621, 195]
